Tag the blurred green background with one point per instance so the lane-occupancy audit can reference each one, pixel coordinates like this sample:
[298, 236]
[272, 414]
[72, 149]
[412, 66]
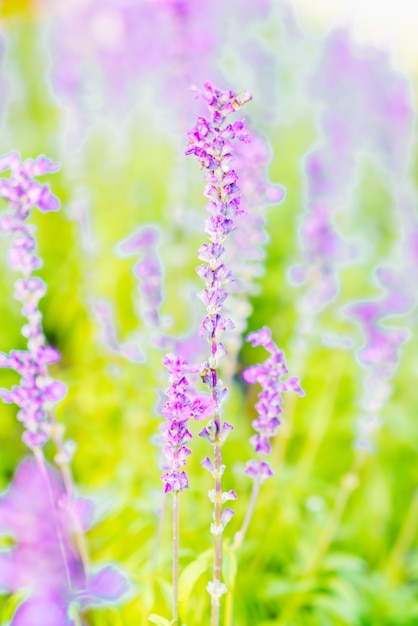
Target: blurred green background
[125, 172]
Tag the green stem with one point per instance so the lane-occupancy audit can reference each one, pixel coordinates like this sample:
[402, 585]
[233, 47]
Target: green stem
[176, 543]
[217, 527]
[65, 469]
[40, 459]
[404, 539]
[321, 419]
[238, 541]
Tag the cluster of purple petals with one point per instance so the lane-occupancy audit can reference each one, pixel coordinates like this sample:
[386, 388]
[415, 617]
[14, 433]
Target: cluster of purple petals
[23, 192]
[245, 254]
[270, 400]
[366, 106]
[147, 270]
[37, 392]
[382, 343]
[210, 141]
[36, 561]
[104, 315]
[182, 404]
[380, 353]
[122, 47]
[367, 101]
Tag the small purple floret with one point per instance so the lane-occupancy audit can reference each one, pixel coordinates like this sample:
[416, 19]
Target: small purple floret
[270, 400]
[182, 404]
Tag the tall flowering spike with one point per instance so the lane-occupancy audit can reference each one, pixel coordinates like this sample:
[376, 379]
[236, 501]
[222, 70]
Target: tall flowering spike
[270, 400]
[37, 392]
[210, 141]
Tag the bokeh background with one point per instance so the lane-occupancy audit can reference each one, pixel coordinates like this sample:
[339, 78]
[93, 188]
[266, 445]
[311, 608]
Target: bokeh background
[104, 88]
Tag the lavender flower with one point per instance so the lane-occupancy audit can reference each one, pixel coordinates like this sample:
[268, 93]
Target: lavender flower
[182, 404]
[147, 270]
[380, 354]
[37, 392]
[28, 516]
[104, 314]
[210, 141]
[270, 400]
[246, 254]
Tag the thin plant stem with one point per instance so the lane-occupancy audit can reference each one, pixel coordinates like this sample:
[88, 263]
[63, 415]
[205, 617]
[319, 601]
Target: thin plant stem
[348, 484]
[65, 469]
[406, 535]
[240, 535]
[40, 459]
[217, 562]
[229, 607]
[176, 543]
[321, 419]
[237, 543]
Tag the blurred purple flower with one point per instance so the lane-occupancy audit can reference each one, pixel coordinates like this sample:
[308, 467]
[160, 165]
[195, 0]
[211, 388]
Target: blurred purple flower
[380, 353]
[29, 513]
[147, 270]
[165, 45]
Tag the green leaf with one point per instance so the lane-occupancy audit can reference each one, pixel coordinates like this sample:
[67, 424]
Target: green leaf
[190, 576]
[229, 568]
[159, 620]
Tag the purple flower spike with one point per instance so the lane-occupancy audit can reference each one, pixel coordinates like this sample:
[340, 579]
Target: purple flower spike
[37, 392]
[182, 404]
[210, 142]
[270, 400]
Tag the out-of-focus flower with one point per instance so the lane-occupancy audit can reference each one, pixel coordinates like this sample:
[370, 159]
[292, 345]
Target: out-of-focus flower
[380, 354]
[34, 513]
[147, 270]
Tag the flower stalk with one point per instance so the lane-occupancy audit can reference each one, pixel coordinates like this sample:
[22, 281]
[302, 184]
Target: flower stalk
[210, 141]
[37, 392]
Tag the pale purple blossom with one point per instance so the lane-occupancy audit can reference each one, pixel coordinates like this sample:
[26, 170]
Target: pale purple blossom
[272, 376]
[147, 270]
[104, 314]
[379, 355]
[37, 392]
[29, 513]
[211, 142]
[245, 255]
[182, 405]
